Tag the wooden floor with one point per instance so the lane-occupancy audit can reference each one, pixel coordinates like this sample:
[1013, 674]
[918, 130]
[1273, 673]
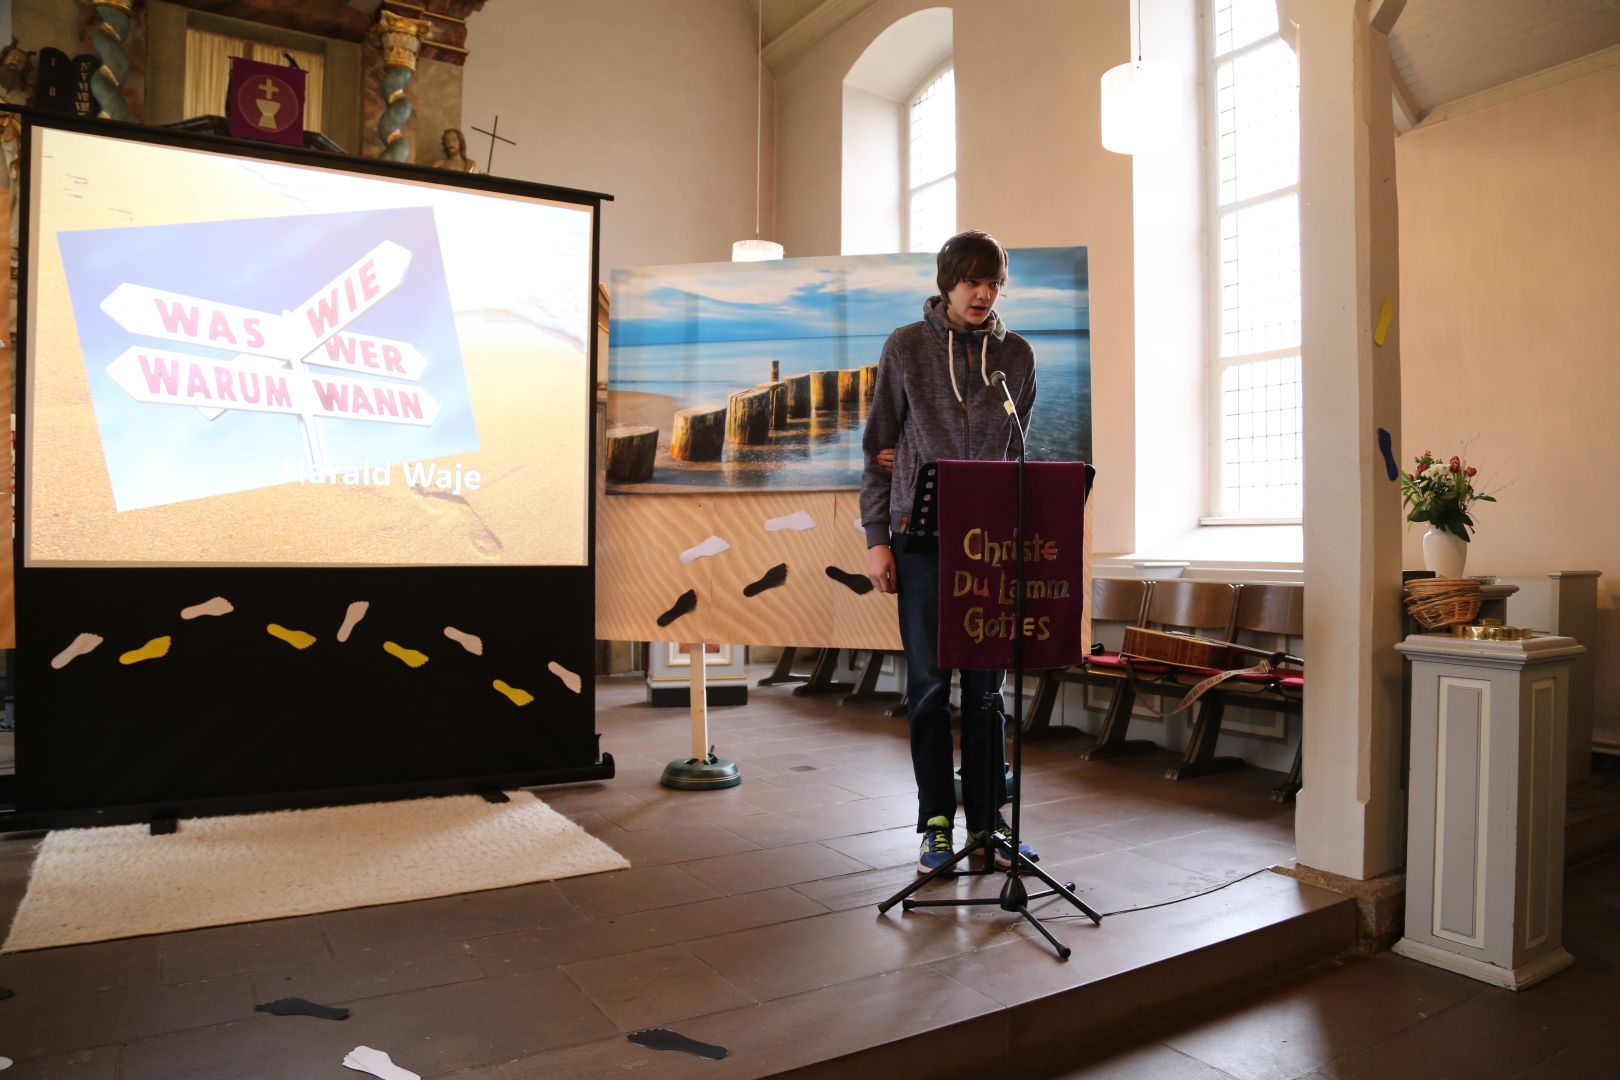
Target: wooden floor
[747, 920]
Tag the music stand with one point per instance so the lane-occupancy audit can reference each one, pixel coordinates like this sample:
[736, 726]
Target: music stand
[1014, 897]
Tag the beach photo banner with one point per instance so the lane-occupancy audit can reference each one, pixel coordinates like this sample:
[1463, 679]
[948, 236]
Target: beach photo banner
[234, 361]
[758, 376]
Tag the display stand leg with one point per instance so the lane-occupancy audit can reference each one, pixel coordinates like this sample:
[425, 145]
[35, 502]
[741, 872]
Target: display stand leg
[784, 669]
[702, 770]
[1200, 758]
[821, 679]
[867, 689]
[1111, 741]
[1039, 725]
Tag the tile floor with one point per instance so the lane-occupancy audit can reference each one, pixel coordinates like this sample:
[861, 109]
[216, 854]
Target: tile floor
[747, 919]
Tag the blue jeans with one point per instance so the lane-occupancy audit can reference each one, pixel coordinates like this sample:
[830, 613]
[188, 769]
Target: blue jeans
[928, 697]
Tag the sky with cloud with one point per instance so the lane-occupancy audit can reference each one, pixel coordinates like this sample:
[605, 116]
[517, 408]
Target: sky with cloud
[834, 296]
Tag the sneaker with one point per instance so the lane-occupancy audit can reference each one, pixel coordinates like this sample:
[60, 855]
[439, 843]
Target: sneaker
[936, 847]
[1003, 845]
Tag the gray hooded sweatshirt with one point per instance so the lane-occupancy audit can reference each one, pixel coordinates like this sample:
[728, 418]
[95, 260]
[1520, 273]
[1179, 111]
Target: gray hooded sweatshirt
[934, 401]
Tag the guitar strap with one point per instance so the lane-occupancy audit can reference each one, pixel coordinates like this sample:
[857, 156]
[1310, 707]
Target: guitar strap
[1199, 689]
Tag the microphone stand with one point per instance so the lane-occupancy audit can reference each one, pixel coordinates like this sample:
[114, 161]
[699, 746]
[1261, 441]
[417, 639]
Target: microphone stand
[1015, 897]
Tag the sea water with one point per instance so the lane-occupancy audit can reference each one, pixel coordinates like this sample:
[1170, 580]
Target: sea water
[824, 451]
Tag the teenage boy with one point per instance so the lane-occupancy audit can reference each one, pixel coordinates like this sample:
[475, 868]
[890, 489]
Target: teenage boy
[934, 400]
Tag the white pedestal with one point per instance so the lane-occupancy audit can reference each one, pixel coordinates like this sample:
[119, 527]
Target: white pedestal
[1485, 821]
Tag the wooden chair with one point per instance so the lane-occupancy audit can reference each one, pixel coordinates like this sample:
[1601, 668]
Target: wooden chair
[1121, 601]
[1267, 617]
[1205, 608]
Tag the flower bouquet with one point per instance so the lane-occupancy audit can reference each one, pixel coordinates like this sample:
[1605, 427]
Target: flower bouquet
[1440, 494]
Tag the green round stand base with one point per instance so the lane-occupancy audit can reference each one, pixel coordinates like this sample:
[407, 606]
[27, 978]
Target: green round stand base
[691, 774]
[1010, 784]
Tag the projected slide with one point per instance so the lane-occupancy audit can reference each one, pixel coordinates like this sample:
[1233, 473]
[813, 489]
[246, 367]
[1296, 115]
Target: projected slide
[238, 362]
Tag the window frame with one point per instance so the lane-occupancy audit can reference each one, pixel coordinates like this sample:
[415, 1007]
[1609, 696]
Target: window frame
[907, 191]
[1215, 363]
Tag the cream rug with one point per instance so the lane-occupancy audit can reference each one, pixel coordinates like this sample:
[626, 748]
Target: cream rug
[120, 881]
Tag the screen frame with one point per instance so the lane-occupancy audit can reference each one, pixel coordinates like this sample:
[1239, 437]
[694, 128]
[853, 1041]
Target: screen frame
[123, 740]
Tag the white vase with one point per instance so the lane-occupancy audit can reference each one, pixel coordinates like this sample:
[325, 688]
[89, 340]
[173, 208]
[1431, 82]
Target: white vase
[1444, 553]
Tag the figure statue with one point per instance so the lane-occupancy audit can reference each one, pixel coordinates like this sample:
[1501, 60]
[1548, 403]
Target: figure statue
[454, 146]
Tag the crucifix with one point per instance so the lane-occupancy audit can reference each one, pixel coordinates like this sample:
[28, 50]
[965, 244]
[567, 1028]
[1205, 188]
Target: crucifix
[493, 139]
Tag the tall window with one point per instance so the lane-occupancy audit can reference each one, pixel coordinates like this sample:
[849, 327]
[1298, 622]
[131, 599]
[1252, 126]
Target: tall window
[931, 163]
[1254, 176]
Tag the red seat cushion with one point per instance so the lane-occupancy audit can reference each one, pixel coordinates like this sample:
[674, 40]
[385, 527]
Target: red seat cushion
[1114, 663]
[1275, 675]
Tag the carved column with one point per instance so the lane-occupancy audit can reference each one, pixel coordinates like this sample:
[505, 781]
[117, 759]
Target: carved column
[401, 41]
[107, 37]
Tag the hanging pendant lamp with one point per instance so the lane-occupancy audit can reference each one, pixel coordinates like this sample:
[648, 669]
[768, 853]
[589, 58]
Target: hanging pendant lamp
[1138, 102]
[757, 250]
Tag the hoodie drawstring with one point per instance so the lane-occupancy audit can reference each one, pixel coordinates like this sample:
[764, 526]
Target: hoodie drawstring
[950, 361]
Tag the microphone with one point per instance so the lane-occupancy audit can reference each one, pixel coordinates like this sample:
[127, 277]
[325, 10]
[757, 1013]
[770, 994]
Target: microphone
[999, 378]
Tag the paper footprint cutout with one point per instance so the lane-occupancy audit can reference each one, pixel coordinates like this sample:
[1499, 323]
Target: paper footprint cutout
[712, 546]
[773, 577]
[296, 638]
[798, 521]
[1388, 451]
[684, 604]
[569, 679]
[471, 642]
[515, 695]
[82, 644]
[352, 617]
[217, 606]
[296, 1006]
[410, 657]
[665, 1039]
[152, 650]
[377, 1063]
[859, 584]
[1385, 314]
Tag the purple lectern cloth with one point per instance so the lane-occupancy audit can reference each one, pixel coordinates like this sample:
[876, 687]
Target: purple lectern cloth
[978, 564]
[266, 102]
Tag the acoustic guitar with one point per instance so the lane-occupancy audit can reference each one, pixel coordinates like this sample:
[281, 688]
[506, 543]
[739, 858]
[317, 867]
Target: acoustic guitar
[1181, 650]
[1217, 660]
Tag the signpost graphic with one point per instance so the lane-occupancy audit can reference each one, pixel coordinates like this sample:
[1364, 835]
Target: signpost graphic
[373, 342]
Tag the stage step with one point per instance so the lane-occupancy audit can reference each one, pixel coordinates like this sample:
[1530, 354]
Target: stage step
[1172, 961]
[1011, 1008]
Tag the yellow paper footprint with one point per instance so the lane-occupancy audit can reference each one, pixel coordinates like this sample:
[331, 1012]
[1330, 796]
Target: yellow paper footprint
[296, 638]
[518, 696]
[409, 656]
[158, 646]
[1385, 315]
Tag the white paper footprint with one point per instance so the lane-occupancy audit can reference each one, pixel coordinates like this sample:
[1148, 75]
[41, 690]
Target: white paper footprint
[712, 546]
[798, 521]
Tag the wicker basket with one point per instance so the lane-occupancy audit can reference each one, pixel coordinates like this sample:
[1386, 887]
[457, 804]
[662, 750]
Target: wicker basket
[1437, 602]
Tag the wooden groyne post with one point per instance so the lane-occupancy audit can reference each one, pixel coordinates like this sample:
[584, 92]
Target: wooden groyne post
[700, 433]
[849, 386]
[630, 453]
[824, 389]
[748, 417]
[868, 381]
[779, 402]
[798, 396]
